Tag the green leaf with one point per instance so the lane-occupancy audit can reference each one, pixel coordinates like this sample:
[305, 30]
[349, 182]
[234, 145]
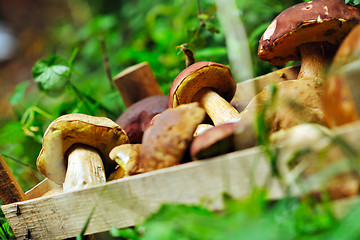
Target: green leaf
[6, 232]
[128, 233]
[51, 74]
[19, 93]
[12, 132]
[180, 222]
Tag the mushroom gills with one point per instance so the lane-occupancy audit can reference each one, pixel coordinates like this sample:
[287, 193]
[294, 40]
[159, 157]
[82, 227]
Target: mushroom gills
[85, 168]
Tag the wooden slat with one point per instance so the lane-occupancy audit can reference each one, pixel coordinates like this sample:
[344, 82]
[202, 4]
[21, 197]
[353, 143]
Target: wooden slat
[10, 190]
[128, 201]
[125, 202]
[44, 187]
[137, 82]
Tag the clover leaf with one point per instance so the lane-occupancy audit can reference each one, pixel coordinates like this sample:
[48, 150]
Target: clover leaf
[52, 74]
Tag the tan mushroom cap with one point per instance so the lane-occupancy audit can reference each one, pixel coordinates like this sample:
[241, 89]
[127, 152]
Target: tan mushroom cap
[201, 75]
[127, 156]
[166, 141]
[349, 50]
[340, 91]
[98, 132]
[313, 21]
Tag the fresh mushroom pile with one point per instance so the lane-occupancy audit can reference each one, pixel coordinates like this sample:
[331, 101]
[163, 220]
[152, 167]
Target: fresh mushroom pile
[310, 32]
[196, 120]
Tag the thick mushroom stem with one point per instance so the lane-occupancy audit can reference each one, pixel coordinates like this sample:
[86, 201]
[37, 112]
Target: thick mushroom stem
[85, 168]
[219, 110]
[314, 61]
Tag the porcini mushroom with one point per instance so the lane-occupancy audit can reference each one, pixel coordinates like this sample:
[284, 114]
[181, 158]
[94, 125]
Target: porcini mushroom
[168, 138]
[341, 97]
[137, 117]
[294, 102]
[225, 138]
[309, 31]
[84, 141]
[127, 156]
[210, 84]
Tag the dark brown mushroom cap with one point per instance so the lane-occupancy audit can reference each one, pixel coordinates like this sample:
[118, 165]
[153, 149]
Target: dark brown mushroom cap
[99, 132]
[137, 117]
[314, 21]
[223, 139]
[200, 75]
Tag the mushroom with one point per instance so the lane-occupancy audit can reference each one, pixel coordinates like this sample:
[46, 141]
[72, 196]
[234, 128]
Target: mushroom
[137, 117]
[293, 102]
[166, 141]
[309, 31]
[202, 128]
[210, 84]
[341, 90]
[75, 150]
[225, 138]
[127, 156]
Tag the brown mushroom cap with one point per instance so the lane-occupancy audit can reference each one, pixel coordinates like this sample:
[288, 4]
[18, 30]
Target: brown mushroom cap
[313, 21]
[166, 141]
[137, 117]
[349, 50]
[98, 132]
[201, 75]
[223, 139]
[341, 87]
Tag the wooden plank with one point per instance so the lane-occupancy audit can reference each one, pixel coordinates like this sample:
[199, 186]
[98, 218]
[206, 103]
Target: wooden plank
[128, 201]
[125, 202]
[137, 82]
[10, 190]
[246, 90]
[44, 187]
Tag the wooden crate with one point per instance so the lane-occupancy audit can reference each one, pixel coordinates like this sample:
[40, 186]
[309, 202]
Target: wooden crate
[128, 201]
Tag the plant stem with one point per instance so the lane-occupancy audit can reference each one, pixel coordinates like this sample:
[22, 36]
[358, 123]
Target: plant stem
[83, 96]
[106, 62]
[18, 161]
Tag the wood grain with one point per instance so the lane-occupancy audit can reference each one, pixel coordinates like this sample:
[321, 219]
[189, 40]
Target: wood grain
[137, 82]
[10, 190]
[46, 186]
[126, 202]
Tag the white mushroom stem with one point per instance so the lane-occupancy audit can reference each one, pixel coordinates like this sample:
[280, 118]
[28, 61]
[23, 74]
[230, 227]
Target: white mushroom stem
[202, 128]
[314, 61]
[219, 110]
[85, 168]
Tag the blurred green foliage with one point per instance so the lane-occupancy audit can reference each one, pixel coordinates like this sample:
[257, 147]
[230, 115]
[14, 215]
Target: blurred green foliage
[73, 79]
[251, 218]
